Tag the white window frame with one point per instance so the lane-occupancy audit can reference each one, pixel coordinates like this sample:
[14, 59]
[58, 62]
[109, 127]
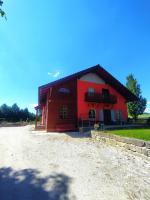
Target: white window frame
[63, 113]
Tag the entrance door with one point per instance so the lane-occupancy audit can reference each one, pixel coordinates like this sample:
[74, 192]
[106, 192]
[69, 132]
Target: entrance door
[107, 116]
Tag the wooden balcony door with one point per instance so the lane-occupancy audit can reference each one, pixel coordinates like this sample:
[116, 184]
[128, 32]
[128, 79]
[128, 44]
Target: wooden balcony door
[105, 93]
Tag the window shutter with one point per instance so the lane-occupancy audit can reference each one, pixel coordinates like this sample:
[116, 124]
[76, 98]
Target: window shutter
[119, 115]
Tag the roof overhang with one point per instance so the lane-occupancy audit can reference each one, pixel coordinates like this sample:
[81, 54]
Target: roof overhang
[106, 76]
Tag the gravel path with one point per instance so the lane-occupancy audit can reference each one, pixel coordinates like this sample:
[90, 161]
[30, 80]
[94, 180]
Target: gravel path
[52, 166]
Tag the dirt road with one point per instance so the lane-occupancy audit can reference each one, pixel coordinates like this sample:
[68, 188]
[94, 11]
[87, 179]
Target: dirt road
[51, 166]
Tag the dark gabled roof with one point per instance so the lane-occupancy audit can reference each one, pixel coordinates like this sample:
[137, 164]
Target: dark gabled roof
[106, 76]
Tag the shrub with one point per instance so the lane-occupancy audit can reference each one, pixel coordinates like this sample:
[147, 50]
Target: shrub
[96, 126]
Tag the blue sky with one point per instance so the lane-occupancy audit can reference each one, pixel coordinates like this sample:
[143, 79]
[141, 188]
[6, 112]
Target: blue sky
[45, 40]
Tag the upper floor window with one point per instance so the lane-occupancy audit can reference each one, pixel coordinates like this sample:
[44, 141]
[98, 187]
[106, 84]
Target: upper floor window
[63, 112]
[64, 90]
[90, 90]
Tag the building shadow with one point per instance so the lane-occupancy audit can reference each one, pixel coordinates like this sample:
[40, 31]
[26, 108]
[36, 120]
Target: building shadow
[29, 185]
[78, 134]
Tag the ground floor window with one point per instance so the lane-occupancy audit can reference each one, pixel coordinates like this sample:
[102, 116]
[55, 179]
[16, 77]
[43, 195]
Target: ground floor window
[92, 114]
[63, 114]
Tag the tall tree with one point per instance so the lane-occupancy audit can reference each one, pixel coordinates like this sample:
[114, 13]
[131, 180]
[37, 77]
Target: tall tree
[2, 13]
[135, 108]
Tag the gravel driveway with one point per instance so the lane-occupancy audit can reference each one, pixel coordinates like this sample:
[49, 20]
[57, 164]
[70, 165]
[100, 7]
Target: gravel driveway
[52, 166]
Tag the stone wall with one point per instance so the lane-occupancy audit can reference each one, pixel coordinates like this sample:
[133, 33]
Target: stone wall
[135, 145]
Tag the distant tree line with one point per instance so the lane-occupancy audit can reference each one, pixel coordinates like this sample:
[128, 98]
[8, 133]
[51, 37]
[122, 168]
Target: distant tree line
[14, 113]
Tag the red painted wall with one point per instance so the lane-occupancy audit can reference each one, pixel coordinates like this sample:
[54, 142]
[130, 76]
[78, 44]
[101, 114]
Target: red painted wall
[78, 107]
[83, 107]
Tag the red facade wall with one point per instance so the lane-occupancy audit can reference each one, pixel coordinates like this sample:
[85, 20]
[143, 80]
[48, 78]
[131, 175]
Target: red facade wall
[83, 107]
[77, 106]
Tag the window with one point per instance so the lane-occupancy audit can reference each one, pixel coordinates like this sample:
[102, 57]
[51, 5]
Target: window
[64, 90]
[92, 114]
[63, 112]
[90, 91]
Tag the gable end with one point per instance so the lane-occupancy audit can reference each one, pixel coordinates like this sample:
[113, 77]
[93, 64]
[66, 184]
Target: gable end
[92, 77]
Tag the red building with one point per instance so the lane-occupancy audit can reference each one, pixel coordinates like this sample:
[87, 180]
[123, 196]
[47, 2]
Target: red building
[89, 96]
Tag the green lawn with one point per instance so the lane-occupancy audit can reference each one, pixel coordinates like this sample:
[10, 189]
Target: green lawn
[145, 116]
[143, 134]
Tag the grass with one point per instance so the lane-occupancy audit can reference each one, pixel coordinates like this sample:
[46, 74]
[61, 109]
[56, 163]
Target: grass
[145, 116]
[143, 134]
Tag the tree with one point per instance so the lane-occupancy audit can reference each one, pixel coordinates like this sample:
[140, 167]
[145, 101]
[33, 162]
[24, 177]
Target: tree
[137, 107]
[15, 112]
[26, 114]
[5, 112]
[2, 13]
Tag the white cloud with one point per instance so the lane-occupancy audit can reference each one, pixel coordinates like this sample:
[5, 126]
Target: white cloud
[50, 74]
[54, 75]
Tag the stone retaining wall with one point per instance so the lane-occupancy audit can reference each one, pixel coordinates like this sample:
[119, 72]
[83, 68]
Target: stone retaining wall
[135, 145]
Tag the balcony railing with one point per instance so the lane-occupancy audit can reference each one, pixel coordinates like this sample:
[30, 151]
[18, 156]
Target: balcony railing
[99, 98]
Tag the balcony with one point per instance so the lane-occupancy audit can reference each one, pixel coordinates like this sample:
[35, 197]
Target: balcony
[99, 98]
